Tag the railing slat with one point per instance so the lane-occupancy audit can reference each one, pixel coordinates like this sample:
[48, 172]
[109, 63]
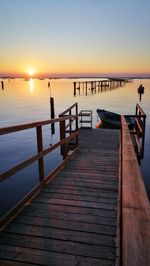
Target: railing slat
[40, 149]
[62, 136]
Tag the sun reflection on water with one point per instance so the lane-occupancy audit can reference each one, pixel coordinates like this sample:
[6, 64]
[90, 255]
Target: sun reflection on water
[31, 85]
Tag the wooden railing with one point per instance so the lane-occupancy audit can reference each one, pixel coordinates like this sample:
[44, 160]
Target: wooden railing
[40, 153]
[70, 128]
[139, 131]
[135, 206]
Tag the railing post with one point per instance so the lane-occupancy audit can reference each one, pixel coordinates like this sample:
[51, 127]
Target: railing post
[77, 124]
[63, 136]
[143, 136]
[136, 110]
[40, 148]
[70, 126]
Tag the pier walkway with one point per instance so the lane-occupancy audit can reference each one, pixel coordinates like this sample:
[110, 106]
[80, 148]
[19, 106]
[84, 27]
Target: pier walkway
[73, 220]
[91, 210]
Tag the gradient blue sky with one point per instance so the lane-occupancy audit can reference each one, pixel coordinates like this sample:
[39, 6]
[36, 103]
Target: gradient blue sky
[75, 37]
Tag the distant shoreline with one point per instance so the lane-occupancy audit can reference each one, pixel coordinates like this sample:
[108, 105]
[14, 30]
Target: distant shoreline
[74, 77]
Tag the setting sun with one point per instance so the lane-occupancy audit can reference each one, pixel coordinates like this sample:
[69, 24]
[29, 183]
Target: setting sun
[31, 72]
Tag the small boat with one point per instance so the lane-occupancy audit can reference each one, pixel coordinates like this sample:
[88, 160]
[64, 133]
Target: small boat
[113, 120]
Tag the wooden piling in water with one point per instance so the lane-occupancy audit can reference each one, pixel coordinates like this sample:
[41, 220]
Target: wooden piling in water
[2, 83]
[52, 114]
[86, 88]
[74, 83]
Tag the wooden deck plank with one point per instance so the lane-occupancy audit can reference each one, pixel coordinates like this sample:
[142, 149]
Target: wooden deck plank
[57, 233]
[67, 202]
[47, 258]
[14, 263]
[73, 220]
[100, 175]
[77, 197]
[70, 225]
[80, 179]
[66, 247]
[93, 219]
[86, 185]
[74, 209]
[82, 192]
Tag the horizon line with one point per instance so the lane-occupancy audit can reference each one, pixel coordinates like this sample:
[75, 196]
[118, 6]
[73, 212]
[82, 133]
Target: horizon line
[75, 75]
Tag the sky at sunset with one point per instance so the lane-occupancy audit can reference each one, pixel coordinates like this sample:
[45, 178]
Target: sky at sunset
[69, 38]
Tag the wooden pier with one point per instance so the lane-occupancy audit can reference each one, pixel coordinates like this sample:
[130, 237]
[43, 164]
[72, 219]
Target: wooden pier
[82, 87]
[91, 210]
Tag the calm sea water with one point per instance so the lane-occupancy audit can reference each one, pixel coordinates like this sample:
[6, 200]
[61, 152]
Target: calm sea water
[26, 101]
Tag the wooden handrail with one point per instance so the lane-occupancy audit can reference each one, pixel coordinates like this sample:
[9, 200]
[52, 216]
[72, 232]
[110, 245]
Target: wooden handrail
[137, 116]
[34, 158]
[135, 206]
[139, 109]
[64, 127]
[15, 128]
[139, 130]
[41, 153]
[67, 110]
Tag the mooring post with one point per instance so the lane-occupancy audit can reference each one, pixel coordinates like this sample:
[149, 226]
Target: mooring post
[52, 114]
[52, 107]
[74, 83]
[52, 110]
[2, 83]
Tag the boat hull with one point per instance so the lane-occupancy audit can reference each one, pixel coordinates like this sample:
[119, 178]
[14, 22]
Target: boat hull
[113, 120]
